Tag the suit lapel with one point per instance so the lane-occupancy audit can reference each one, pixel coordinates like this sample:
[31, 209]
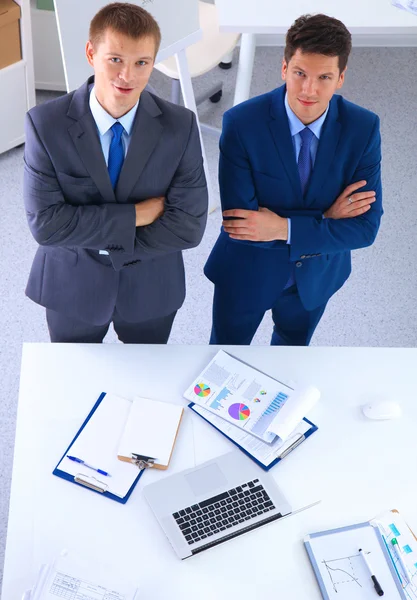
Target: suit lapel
[280, 130]
[326, 151]
[86, 140]
[146, 133]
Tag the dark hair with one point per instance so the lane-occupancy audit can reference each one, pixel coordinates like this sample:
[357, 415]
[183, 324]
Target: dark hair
[319, 34]
[126, 18]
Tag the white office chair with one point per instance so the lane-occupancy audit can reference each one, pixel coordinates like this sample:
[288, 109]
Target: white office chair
[203, 57]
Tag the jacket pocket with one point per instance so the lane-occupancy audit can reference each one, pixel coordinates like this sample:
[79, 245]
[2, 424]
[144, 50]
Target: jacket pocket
[68, 256]
[78, 181]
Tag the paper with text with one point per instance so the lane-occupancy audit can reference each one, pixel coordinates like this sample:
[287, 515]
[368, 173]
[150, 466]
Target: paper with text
[66, 580]
[263, 452]
[392, 525]
[249, 399]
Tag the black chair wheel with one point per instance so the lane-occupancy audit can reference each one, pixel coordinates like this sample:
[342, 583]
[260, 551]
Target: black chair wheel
[216, 97]
[225, 66]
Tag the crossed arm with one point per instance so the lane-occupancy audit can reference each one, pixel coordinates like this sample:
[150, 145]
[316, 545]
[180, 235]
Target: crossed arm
[143, 231]
[332, 234]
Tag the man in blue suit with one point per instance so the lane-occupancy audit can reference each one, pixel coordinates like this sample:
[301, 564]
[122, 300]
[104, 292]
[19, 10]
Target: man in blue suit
[300, 185]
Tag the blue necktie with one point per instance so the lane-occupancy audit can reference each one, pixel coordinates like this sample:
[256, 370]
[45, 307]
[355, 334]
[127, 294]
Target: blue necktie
[304, 168]
[304, 158]
[116, 154]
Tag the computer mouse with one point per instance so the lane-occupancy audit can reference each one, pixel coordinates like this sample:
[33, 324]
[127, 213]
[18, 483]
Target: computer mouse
[382, 409]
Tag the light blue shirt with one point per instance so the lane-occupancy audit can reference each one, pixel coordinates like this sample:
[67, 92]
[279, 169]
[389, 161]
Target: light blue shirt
[295, 127]
[104, 122]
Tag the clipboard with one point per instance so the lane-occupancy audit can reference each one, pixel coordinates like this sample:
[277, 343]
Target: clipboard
[152, 427]
[92, 482]
[339, 572]
[280, 457]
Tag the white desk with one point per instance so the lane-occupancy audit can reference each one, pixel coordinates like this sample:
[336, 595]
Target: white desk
[374, 19]
[357, 467]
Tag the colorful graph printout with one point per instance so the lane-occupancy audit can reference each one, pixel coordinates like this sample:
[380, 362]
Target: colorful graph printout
[239, 411]
[202, 390]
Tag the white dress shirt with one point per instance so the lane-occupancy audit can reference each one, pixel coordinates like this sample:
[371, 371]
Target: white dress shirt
[104, 122]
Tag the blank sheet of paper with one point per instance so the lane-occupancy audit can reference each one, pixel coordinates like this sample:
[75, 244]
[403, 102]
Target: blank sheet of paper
[97, 445]
[151, 430]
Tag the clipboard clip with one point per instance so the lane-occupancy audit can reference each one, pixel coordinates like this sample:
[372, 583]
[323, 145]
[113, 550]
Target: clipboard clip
[142, 462]
[91, 482]
[290, 448]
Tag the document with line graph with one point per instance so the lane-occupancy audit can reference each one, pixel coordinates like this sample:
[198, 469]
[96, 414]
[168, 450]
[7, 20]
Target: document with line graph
[342, 560]
[250, 399]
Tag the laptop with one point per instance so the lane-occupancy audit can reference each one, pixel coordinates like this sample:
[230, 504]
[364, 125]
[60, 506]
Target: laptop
[215, 502]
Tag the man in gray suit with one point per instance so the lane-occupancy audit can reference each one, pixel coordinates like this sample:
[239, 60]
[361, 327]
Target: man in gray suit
[114, 190]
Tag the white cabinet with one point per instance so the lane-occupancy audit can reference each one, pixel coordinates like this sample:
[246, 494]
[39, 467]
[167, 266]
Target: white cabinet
[17, 87]
[49, 70]
[13, 105]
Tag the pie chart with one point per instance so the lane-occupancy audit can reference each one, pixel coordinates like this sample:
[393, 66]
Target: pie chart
[239, 411]
[202, 390]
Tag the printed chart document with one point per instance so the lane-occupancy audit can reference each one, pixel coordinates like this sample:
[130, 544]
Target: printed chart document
[66, 579]
[251, 400]
[262, 451]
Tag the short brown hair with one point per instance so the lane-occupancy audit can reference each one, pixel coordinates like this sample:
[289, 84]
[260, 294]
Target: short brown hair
[126, 18]
[319, 34]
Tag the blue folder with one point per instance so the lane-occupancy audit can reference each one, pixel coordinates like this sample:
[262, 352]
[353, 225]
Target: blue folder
[285, 453]
[71, 478]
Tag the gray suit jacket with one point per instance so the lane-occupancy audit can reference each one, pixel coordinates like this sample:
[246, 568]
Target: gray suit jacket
[73, 211]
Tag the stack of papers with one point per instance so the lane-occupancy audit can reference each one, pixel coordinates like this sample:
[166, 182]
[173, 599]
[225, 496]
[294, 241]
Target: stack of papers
[67, 579]
[402, 548]
[262, 415]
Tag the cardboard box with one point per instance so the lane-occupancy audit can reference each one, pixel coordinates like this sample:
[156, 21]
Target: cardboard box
[10, 49]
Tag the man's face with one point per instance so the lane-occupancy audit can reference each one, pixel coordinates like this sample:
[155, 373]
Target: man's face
[122, 67]
[311, 80]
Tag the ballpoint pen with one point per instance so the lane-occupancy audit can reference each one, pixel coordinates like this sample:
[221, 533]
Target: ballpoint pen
[82, 462]
[375, 581]
[397, 550]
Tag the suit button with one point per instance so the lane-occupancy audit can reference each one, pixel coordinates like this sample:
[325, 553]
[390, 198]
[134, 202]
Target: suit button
[298, 264]
[303, 256]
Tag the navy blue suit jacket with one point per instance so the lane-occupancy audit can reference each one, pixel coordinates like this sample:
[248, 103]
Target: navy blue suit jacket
[258, 168]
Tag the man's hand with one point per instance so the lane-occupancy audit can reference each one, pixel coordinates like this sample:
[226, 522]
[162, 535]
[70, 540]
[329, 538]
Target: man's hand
[149, 210]
[261, 225]
[359, 203]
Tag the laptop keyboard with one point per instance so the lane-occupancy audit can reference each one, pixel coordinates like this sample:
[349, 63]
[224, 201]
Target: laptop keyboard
[240, 504]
